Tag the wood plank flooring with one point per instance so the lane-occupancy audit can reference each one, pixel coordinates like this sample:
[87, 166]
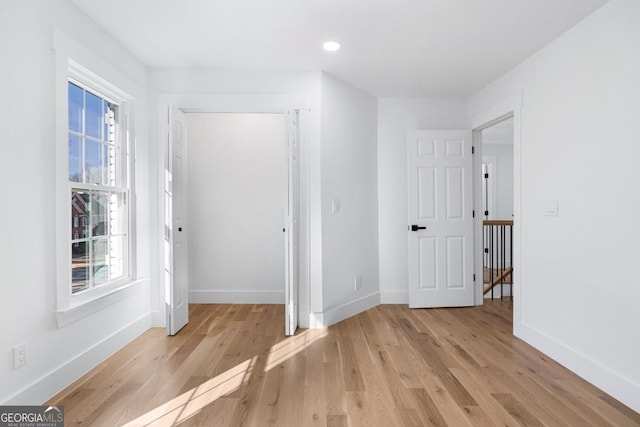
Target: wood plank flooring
[389, 366]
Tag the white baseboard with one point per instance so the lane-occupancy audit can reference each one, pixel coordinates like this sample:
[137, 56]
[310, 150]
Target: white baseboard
[236, 297]
[394, 297]
[343, 311]
[611, 382]
[159, 319]
[52, 383]
[316, 321]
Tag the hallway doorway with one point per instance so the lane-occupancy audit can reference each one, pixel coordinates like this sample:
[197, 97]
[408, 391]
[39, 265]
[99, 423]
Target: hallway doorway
[497, 208]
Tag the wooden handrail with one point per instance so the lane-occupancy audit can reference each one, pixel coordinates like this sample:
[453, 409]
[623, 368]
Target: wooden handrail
[497, 222]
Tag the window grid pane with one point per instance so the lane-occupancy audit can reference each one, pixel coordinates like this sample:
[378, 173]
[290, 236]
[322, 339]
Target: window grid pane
[80, 215]
[76, 107]
[79, 267]
[93, 142]
[76, 158]
[94, 116]
[93, 161]
[99, 213]
[99, 217]
[99, 239]
[100, 261]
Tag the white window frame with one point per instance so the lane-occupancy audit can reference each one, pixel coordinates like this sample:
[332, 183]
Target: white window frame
[102, 79]
[122, 170]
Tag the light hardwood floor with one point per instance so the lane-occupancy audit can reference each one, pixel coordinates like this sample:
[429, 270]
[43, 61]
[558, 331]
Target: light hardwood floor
[389, 366]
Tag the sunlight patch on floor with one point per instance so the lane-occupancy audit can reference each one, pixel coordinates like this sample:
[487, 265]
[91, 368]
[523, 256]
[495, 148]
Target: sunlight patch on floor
[292, 346]
[190, 403]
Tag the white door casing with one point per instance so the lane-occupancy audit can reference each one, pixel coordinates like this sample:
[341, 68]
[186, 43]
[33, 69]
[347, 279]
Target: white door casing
[291, 223]
[176, 271]
[439, 165]
[489, 187]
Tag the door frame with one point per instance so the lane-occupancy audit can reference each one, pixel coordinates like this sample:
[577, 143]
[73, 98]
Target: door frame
[206, 103]
[511, 106]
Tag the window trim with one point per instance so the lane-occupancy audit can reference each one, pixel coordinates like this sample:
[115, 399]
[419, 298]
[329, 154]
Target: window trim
[72, 307]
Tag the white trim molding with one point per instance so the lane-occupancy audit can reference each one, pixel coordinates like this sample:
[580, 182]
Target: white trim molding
[343, 311]
[511, 106]
[394, 297]
[247, 103]
[236, 297]
[51, 383]
[98, 302]
[610, 381]
[75, 61]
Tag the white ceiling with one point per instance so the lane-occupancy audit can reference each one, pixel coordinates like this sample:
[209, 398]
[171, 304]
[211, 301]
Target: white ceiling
[415, 48]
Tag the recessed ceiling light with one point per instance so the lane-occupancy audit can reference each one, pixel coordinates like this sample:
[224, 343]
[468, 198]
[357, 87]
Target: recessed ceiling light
[331, 46]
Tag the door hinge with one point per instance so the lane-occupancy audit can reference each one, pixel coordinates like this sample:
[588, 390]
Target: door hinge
[474, 277]
[486, 175]
[473, 214]
[486, 213]
[473, 150]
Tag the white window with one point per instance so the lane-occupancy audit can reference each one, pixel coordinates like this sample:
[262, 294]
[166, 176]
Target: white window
[95, 204]
[98, 188]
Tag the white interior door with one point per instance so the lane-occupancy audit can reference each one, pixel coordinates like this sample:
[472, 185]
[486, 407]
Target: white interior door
[176, 272]
[440, 218]
[291, 225]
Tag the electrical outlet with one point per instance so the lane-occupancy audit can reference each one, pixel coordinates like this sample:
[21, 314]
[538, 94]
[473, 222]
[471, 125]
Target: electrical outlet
[357, 283]
[19, 356]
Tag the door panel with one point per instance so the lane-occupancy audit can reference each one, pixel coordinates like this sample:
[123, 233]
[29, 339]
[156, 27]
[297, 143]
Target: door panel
[429, 262]
[175, 206]
[455, 261]
[291, 224]
[440, 200]
[426, 193]
[455, 193]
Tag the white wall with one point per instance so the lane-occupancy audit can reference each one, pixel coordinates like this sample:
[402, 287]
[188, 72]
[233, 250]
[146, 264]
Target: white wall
[254, 91]
[56, 356]
[503, 177]
[395, 117]
[349, 175]
[236, 207]
[580, 146]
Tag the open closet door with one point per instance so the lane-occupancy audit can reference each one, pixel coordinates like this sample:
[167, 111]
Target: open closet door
[175, 203]
[291, 224]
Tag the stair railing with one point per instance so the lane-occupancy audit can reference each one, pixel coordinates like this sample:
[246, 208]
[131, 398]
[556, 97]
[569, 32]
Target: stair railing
[497, 239]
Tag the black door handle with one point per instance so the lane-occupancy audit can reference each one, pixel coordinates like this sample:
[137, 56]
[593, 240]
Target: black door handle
[414, 227]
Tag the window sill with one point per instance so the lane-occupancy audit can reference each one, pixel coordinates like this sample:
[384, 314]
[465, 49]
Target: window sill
[77, 311]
